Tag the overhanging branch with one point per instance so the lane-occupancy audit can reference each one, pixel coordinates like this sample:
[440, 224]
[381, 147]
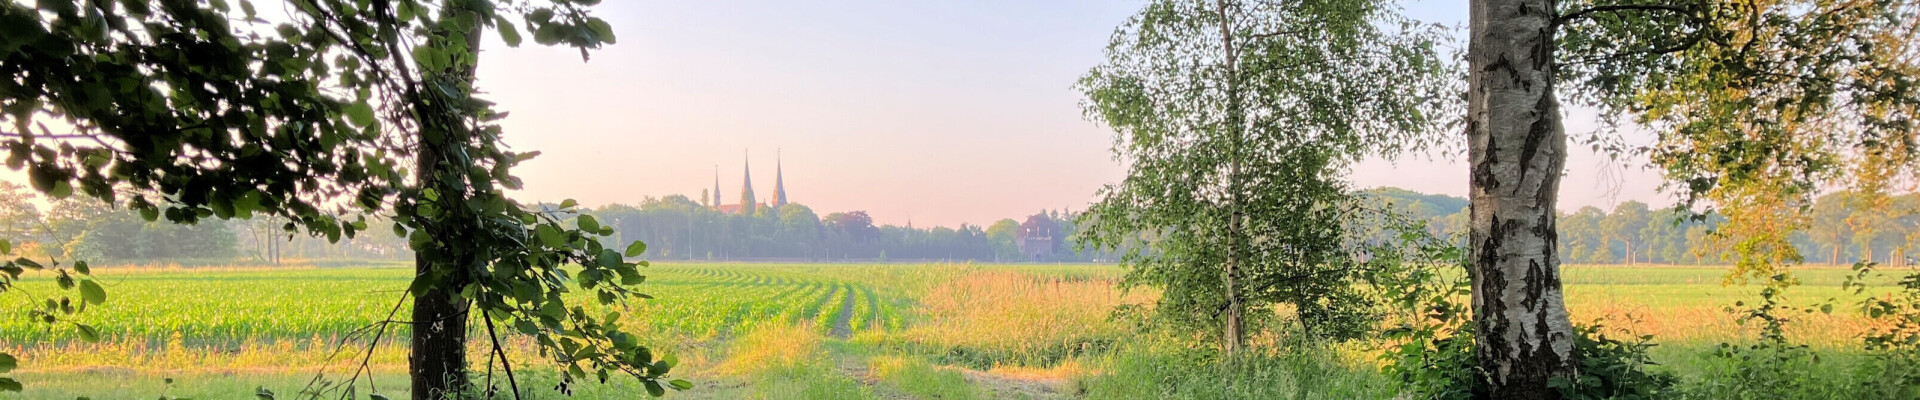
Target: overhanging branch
[1617, 8]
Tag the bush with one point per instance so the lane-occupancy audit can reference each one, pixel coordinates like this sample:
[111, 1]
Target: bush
[1610, 368]
[1614, 369]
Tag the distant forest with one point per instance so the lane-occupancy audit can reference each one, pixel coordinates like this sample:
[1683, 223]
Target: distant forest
[1845, 228]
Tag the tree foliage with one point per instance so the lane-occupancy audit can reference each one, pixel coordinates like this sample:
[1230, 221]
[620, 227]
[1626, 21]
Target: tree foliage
[1756, 106]
[192, 110]
[1236, 119]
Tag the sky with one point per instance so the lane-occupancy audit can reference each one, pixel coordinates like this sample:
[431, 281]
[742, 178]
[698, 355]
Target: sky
[934, 112]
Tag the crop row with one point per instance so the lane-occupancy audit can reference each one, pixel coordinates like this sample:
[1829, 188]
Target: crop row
[230, 308]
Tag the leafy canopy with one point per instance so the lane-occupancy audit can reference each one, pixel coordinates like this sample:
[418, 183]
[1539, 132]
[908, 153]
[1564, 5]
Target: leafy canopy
[341, 109]
[1236, 119]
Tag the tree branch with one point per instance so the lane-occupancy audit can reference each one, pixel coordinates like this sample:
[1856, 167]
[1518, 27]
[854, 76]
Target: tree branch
[505, 364]
[1682, 46]
[1617, 8]
[1279, 33]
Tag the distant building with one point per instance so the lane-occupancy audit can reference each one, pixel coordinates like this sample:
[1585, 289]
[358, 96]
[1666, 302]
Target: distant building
[779, 182]
[1036, 237]
[748, 205]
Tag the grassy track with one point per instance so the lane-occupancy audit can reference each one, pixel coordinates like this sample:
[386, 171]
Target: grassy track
[787, 330]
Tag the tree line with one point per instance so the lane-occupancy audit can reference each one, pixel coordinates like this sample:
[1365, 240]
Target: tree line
[677, 228]
[1843, 227]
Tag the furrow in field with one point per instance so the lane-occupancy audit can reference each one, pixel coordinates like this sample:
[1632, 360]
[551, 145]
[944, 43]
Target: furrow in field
[874, 313]
[843, 320]
[812, 310]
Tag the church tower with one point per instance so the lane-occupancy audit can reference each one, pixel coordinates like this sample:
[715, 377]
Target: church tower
[747, 206]
[716, 187]
[779, 182]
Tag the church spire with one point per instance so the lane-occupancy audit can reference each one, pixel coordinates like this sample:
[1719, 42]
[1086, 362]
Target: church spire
[716, 186]
[779, 182]
[747, 205]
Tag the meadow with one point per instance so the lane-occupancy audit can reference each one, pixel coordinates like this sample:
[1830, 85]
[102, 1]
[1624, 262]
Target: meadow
[816, 331]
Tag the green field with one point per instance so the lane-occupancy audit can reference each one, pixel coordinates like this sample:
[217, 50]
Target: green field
[784, 331]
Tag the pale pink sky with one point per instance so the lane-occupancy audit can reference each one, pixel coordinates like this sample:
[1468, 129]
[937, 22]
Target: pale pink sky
[947, 112]
[942, 113]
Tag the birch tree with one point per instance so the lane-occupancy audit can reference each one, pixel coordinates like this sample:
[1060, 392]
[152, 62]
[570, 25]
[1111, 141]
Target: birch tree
[1753, 105]
[1237, 120]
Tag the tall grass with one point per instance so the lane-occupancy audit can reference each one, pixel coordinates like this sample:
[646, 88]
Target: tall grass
[995, 317]
[1168, 371]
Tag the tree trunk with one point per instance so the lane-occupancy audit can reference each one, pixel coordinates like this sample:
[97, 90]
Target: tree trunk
[438, 365]
[1233, 333]
[1517, 150]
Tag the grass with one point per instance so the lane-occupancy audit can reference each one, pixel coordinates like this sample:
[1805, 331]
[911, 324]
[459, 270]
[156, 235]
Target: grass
[922, 379]
[826, 331]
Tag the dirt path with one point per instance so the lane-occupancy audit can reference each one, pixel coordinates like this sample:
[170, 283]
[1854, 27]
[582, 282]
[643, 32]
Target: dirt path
[843, 325]
[1013, 387]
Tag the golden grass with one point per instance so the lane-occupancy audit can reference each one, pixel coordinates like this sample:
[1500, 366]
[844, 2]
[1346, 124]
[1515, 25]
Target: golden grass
[1713, 324]
[772, 347]
[250, 356]
[1061, 372]
[1019, 314]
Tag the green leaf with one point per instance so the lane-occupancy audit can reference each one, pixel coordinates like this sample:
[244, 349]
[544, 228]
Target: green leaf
[680, 384]
[10, 385]
[377, 396]
[587, 223]
[653, 388]
[549, 236]
[92, 292]
[8, 363]
[630, 278]
[87, 333]
[609, 258]
[262, 393]
[636, 249]
[360, 114]
[429, 58]
[548, 34]
[508, 32]
[61, 189]
[6, 247]
[601, 28]
[82, 268]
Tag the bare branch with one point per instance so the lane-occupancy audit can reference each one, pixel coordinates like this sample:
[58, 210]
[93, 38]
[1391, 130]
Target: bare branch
[505, 364]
